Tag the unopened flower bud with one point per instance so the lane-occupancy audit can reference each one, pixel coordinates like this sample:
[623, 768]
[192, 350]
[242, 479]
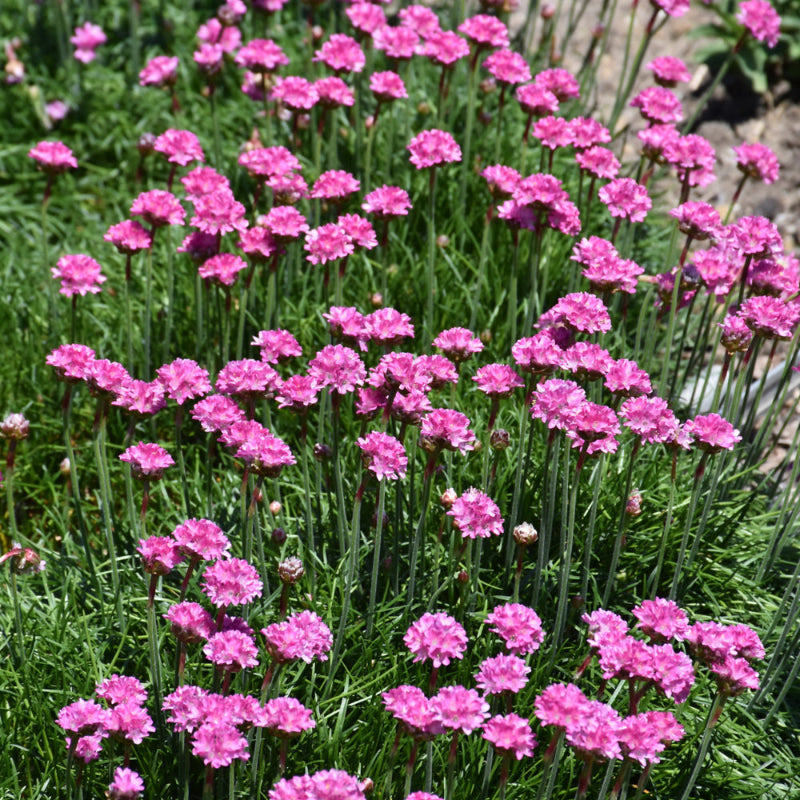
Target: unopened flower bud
[367, 785]
[577, 601]
[275, 508]
[499, 439]
[23, 560]
[488, 85]
[485, 336]
[279, 536]
[146, 143]
[547, 11]
[303, 121]
[385, 521]
[290, 570]
[424, 108]
[525, 534]
[477, 447]
[317, 33]
[634, 504]
[386, 564]
[598, 32]
[14, 426]
[376, 299]
[369, 122]
[448, 497]
[442, 240]
[322, 452]
[227, 16]
[484, 117]
[462, 576]
[64, 467]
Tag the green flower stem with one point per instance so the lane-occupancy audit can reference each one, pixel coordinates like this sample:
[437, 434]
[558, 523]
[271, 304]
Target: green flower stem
[519, 477]
[512, 287]
[537, 291]
[656, 577]
[788, 683]
[424, 501]
[465, 164]
[671, 314]
[597, 480]
[215, 127]
[337, 471]
[376, 559]
[19, 630]
[148, 305]
[187, 503]
[170, 294]
[431, 275]
[451, 767]
[101, 418]
[550, 481]
[476, 292]
[152, 641]
[696, 487]
[713, 716]
[9, 481]
[311, 557]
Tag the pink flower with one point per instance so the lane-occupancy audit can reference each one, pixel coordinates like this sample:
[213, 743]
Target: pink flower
[502, 674]
[508, 67]
[561, 705]
[458, 344]
[298, 393]
[661, 619]
[276, 346]
[302, 636]
[365, 17]
[599, 162]
[201, 539]
[445, 429]
[129, 237]
[595, 734]
[334, 92]
[761, 20]
[644, 736]
[160, 554]
[625, 378]
[296, 93]
[266, 454]
[673, 8]
[669, 71]
[413, 710]
[757, 161]
[769, 317]
[511, 736]
[79, 274]
[605, 628]
[501, 180]
[232, 650]
[583, 312]
[553, 132]
[335, 185]
[485, 31]
[228, 36]
[734, 675]
[712, 433]
[475, 514]
[261, 55]
[693, 158]
[698, 220]
[87, 38]
[158, 207]
[536, 100]
[53, 157]
[625, 198]
[383, 455]
[338, 367]
[118, 689]
[148, 461]
[126, 785]
[327, 243]
[180, 147]
[556, 401]
[586, 361]
[82, 718]
[587, 132]
[183, 379]
[387, 326]
[267, 161]
[214, 413]
[387, 202]
[497, 380]
[159, 71]
[222, 269]
[218, 212]
[129, 722]
[190, 622]
[341, 53]
[71, 362]
[398, 43]
[460, 709]
[432, 148]
[231, 581]
[518, 626]
[560, 82]
[437, 637]
[756, 236]
[444, 48]
[421, 19]
[287, 717]
[658, 105]
[538, 354]
[284, 223]
[387, 86]
[219, 744]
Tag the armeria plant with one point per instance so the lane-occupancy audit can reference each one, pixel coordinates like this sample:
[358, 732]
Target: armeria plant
[464, 427]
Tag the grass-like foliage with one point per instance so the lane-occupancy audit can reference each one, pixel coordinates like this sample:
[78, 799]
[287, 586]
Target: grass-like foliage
[375, 422]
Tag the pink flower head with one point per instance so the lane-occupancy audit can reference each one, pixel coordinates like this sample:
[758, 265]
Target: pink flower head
[756, 236]
[582, 312]
[518, 626]
[387, 202]
[698, 220]
[598, 161]
[669, 71]
[626, 199]
[538, 354]
[296, 93]
[118, 689]
[761, 21]
[445, 429]
[594, 428]
[365, 17]
[349, 324]
[536, 100]
[387, 86]
[231, 582]
[398, 43]
[501, 180]
[232, 650]
[129, 722]
[218, 212]
[560, 82]
[53, 157]
[693, 158]
[82, 718]
[437, 637]
[497, 380]
[190, 622]
[160, 554]
[298, 393]
[126, 785]
[556, 402]
[475, 514]
[605, 628]
[540, 192]
[158, 207]
[179, 147]
[387, 326]
[72, 362]
[201, 539]
[267, 161]
[87, 38]
[655, 140]
[228, 37]
[276, 346]
[222, 269]
[159, 71]
[459, 709]
[302, 636]
[553, 132]
[383, 455]
[334, 185]
[712, 433]
[432, 148]
[219, 744]
[586, 360]
[79, 274]
[215, 413]
[770, 317]
[757, 161]
[284, 223]
[261, 55]
[334, 92]
[661, 619]
[421, 19]
[287, 718]
[341, 53]
[673, 8]
[561, 705]
[595, 734]
[458, 344]
[148, 461]
[104, 378]
[209, 58]
[129, 237]
[266, 454]
[626, 379]
[511, 736]
[644, 736]
[502, 674]
[184, 379]
[444, 48]
[338, 367]
[672, 672]
[658, 105]
[258, 244]
[485, 31]
[587, 132]
[327, 243]
[413, 710]
[508, 67]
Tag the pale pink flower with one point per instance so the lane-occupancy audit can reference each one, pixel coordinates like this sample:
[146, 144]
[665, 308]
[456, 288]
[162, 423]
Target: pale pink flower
[79, 274]
[560, 82]
[484, 30]
[436, 637]
[446, 429]
[712, 433]
[148, 461]
[53, 157]
[502, 674]
[511, 736]
[459, 709]
[518, 626]
[87, 38]
[158, 207]
[475, 514]
[626, 198]
[179, 147]
[432, 148]
[757, 161]
[261, 55]
[125, 785]
[231, 581]
[342, 54]
[761, 20]
[327, 243]
[159, 71]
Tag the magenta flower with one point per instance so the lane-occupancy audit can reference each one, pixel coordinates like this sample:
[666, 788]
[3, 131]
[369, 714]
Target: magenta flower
[222, 269]
[387, 86]
[365, 17]
[553, 132]
[79, 274]
[118, 689]
[232, 650]
[508, 67]
[338, 367]
[693, 158]
[413, 710]
[437, 637]
[432, 148]
[53, 157]
[284, 223]
[658, 105]
[219, 744]
[334, 92]
[387, 202]
[458, 344]
[538, 354]
[159, 71]
[342, 54]
[398, 43]
[126, 785]
[266, 454]
[459, 709]
[626, 199]
[669, 71]
[268, 161]
[179, 147]
[421, 19]
[328, 243]
[129, 722]
[287, 717]
[445, 429]
[82, 718]
[511, 736]
[761, 20]
[485, 31]
[502, 674]
[72, 362]
[148, 461]
[712, 433]
[644, 736]
[157, 208]
[184, 379]
[769, 317]
[296, 93]
[87, 38]
[231, 582]
[218, 213]
[261, 55]
[497, 380]
[757, 161]
[190, 622]
[383, 455]
[247, 379]
[129, 237]
[475, 514]
[599, 162]
[302, 636]
[560, 82]
[561, 705]
[298, 393]
[650, 418]
[160, 554]
[518, 626]
[661, 619]
[201, 539]
[216, 413]
[444, 48]
[387, 326]
[582, 312]
[595, 734]
[334, 185]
